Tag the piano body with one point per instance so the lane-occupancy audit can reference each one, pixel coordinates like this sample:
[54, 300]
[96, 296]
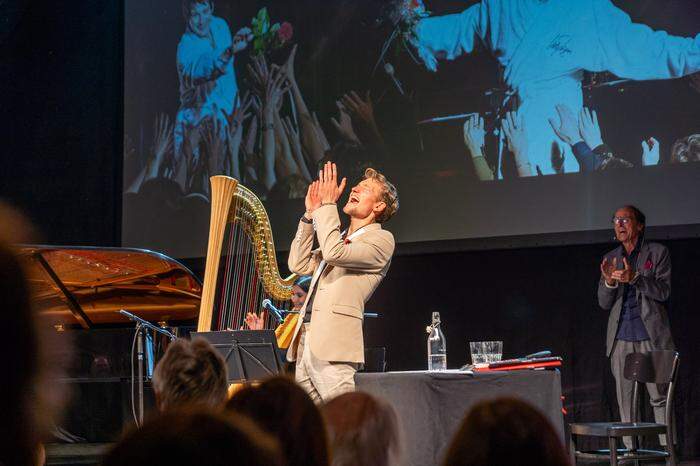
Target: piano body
[79, 291]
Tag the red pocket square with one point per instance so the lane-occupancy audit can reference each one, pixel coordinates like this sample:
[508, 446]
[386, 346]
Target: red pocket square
[648, 265]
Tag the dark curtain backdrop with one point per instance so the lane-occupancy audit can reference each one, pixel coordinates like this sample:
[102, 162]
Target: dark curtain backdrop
[60, 106]
[61, 89]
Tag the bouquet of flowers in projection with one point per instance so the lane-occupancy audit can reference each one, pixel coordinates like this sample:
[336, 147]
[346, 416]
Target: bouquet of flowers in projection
[268, 37]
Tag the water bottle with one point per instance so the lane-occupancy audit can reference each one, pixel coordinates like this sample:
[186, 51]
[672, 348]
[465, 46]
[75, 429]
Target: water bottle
[437, 345]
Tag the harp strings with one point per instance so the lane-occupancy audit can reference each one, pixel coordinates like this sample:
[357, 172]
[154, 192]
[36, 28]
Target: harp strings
[241, 287]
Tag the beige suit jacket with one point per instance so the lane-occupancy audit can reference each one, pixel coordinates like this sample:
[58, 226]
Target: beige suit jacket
[352, 273]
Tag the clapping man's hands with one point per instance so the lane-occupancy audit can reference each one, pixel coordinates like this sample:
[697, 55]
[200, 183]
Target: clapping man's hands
[607, 268]
[625, 275]
[312, 200]
[329, 190]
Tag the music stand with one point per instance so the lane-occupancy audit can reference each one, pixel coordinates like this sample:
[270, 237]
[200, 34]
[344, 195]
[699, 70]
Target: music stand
[250, 355]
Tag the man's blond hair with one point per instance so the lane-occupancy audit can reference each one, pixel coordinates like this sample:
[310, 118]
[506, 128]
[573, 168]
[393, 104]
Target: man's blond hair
[389, 196]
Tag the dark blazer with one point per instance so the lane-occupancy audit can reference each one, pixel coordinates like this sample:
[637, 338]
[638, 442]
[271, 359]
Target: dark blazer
[653, 286]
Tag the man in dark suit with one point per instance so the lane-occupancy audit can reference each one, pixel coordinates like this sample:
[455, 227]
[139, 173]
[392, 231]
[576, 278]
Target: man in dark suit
[635, 285]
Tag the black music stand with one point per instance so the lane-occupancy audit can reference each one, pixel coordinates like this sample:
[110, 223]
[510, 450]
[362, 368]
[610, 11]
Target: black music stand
[250, 355]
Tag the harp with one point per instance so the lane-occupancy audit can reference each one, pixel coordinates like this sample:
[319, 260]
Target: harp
[241, 266]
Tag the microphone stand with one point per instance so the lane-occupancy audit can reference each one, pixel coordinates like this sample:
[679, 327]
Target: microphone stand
[284, 313]
[141, 326]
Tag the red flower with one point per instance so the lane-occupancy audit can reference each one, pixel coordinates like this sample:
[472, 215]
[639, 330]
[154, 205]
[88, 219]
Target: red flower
[346, 241]
[285, 32]
[648, 265]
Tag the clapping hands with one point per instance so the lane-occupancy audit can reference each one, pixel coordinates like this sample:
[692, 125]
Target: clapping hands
[326, 189]
[612, 275]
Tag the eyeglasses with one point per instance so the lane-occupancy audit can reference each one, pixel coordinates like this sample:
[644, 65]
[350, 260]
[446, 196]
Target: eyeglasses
[621, 220]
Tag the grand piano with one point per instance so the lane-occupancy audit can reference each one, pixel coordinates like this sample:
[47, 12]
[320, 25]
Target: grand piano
[79, 291]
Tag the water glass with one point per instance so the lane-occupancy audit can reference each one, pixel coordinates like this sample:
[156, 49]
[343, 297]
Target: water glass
[484, 352]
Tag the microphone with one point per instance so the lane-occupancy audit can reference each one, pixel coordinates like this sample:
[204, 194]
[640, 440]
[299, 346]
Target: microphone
[389, 69]
[267, 304]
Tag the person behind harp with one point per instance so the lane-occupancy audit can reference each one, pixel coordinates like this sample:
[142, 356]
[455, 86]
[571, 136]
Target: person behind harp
[285, 329]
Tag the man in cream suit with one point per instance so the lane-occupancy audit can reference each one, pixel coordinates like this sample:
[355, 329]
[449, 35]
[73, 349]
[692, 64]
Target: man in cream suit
[347, 267]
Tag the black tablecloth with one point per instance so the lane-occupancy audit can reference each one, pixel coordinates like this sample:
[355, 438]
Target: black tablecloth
[431, 405]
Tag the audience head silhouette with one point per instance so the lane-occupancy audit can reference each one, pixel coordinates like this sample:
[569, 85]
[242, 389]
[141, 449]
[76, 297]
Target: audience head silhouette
[283, 409]
[188, 437]
[363, 430]
[505, 431]
[190, 373]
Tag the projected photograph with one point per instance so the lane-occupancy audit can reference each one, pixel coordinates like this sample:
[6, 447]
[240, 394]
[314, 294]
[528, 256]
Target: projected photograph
[486, 109]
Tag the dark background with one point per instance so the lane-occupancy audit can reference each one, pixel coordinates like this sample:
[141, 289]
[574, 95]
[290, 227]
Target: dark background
[61, 76]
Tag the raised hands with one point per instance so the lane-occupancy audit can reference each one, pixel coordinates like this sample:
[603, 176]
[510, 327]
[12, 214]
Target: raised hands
[474, 135]
[328, 189]
[241, 113]
[362, 110]
[650, 152]
[312, 201]
[516, 137]
[275, 87]
[288, 66]
[214, 139]
[293, 137]
[566, 126]
[163, 139]
[344, 124]
[589, 129]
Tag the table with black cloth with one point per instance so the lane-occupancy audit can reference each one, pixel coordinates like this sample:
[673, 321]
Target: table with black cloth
[431, 405]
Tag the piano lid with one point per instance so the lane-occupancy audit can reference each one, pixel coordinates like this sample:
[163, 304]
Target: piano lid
[87, 286]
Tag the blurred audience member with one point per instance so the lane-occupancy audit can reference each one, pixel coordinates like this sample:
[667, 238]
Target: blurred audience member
[363, 431]
[506, 431]
[283, 409]
[19, 433]
[686, 149]
[16, 228]
[29, 408]
[191, 438]
[190, 373]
